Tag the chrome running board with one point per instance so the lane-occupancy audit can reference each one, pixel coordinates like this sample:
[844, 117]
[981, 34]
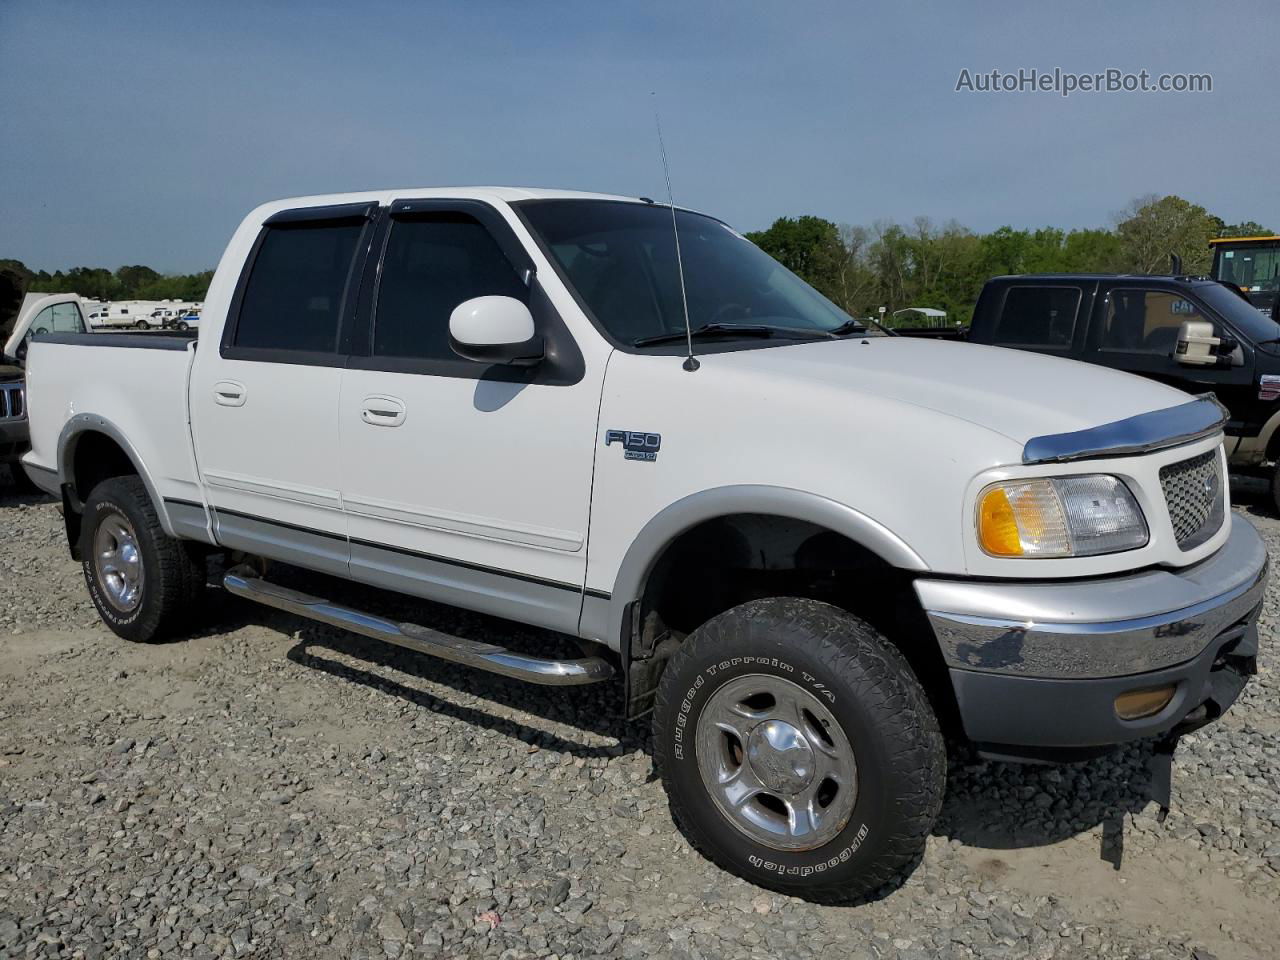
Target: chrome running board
[483, 656]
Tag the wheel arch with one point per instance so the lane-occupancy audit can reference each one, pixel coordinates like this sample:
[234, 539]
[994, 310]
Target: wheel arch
[88, 434]
[609, 622]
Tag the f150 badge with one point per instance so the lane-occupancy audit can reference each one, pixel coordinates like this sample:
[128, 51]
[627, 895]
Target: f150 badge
[636, 445]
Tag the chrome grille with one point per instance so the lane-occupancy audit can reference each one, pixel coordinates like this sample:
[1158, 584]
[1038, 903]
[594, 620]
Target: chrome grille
[12, 406]
[1196, 494]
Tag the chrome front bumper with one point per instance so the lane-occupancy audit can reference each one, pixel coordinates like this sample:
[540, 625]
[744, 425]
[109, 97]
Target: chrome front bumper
[1036, 667]
[1097, 628]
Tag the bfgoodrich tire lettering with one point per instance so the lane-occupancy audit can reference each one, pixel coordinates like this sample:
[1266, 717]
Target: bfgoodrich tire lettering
[867, 686]
[172, 572]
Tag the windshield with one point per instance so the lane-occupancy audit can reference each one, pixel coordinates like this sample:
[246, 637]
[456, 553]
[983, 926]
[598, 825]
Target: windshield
[1250, 266]
[620, 257]
[1248, 320]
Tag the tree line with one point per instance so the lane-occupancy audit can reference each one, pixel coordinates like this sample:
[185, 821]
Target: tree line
[98, 283]
[862, 268]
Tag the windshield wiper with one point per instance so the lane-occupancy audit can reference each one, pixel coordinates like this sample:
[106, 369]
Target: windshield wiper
[848, 327]
[711, 330]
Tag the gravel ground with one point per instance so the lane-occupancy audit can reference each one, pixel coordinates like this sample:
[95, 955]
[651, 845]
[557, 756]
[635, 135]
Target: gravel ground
[275, 788]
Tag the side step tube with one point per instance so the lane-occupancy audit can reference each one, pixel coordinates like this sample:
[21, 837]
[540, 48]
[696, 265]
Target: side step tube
[483, 656]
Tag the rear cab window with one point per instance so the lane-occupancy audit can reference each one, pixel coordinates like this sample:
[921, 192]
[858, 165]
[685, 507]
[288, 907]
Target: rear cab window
[1037, 316]
[299, 288]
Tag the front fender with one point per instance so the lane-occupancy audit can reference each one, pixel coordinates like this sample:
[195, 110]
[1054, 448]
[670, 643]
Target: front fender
[604, 618]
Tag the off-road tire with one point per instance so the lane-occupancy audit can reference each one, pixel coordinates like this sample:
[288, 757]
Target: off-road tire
[878, 702]
[174, 570]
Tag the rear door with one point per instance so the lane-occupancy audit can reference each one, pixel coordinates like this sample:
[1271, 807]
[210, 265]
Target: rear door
[264, 402]
[1043, 316]
[465, 482]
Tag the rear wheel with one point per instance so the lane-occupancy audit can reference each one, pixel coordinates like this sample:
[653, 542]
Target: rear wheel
[798, 749]
[144, 583]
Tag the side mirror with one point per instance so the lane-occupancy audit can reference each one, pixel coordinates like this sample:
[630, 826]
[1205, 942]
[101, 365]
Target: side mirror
[495, 330]
[1197, 346]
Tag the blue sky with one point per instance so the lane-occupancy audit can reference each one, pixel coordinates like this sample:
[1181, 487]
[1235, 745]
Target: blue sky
[140, 132]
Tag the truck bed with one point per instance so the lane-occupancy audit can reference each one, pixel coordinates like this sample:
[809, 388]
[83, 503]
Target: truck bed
[135, 384]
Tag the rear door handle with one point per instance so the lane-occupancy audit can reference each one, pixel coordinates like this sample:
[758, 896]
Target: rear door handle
[383, 411]
[228, 393]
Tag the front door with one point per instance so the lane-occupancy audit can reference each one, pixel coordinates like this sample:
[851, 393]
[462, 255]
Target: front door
[1135, 329]
[464, 482]
[264, 403]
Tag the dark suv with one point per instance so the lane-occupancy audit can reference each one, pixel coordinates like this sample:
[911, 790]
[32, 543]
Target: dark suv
[1191, 332]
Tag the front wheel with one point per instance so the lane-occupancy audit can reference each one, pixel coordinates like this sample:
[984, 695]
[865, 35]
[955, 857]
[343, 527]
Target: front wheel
[798, 749]
[144, 583]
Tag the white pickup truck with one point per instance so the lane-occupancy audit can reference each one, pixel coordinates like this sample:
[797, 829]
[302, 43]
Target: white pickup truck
[809, 551]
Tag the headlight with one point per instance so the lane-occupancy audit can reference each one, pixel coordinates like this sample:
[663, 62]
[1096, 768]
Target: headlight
[1059, 517]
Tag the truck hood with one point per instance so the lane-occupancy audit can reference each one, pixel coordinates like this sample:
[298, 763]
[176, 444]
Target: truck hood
[1011, 392]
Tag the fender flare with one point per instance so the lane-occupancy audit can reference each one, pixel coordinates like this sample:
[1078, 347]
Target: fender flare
[83, 423]
[684, 514]
[1267, 432]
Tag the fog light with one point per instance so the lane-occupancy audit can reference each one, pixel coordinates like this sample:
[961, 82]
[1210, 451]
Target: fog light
[1136, 704]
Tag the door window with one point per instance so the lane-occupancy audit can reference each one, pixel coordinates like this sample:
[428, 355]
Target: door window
[1145, 321]
[433, 263]
[1034, 316]
[59, 318]
[294, 297]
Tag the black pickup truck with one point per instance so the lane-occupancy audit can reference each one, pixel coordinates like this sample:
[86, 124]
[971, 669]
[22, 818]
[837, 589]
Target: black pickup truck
[1193, 333]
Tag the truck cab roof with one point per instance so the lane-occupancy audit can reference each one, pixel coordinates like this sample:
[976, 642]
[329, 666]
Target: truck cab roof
[1144, 278]
[489, 193]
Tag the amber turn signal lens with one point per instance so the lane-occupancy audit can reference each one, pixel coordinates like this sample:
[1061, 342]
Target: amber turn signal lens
[1136, 704]
[997, 525]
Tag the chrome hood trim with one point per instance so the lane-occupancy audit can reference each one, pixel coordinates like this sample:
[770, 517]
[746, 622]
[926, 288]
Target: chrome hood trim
[1156, 430]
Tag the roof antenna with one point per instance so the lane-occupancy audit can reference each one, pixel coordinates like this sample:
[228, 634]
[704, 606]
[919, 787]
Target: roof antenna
[690, 362]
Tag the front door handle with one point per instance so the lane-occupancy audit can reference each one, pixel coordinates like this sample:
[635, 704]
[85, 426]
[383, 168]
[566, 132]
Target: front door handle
[383, 411]
[228, 393]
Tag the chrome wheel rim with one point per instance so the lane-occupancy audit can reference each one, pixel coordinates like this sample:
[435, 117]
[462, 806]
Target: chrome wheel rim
[776, 762]
[118, 561]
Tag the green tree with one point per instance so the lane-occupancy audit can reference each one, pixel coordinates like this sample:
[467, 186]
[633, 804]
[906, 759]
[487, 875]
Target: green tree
[15, 278]
[1090, 251]
[808, 246]
[1249, 228]
[1151, 228]
[133, 279]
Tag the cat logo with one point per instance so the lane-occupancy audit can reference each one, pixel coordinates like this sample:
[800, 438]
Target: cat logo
[636, 445]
